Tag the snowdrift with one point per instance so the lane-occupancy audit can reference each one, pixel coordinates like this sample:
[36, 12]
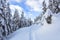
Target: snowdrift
[39, 32]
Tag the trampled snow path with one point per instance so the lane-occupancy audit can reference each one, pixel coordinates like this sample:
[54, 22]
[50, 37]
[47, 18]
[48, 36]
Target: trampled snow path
[24, 33]
[38, 32]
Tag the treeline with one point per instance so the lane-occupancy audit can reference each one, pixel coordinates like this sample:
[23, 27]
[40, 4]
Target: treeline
[9, 23]
[48, 11]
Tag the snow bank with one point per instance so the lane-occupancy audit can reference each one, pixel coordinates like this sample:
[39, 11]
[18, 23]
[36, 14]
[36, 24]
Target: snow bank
[24, 33]
[49, 31]
[38, 32]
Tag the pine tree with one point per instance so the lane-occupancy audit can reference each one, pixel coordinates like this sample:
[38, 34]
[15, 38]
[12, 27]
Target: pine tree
[22, 15]
[16, 19]
[54, 6]
[49, 19]
[44, 7]
[2, 17]
[30, 22]
[22, 20]
[51, 5]
[1, 31]
[43, 13]
[5, 16]
[8, 18]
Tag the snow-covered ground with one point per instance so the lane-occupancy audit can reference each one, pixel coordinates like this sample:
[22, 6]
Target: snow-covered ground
[24, 33]
[49, 31]
[39, 32]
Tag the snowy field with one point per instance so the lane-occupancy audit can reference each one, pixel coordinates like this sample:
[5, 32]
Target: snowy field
[24, 33]
[39, 32]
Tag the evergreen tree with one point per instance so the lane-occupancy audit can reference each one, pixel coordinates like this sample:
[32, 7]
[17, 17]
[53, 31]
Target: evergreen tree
[54, 6]
[1, 31]
[16, 19]
[8, 18]
[30, 22]
[2, 17]
[5, 16]
[22, 20]
[44, 7]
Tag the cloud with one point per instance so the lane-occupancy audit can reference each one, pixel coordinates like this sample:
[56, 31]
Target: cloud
[29, 15]
[18, 1]
[20, 9]
[35, 5]
[15, 1]
[13, 7]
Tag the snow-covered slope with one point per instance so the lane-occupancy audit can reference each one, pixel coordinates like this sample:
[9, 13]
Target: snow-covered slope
[24, 33]
[39, 32]
[49, 31]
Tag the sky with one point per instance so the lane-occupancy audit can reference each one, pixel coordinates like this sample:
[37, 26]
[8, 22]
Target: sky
[31, 8]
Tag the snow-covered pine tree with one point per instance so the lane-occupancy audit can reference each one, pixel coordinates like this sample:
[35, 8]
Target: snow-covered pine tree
[22, 20]
[54, 6]
[1, 31]
[30, 22]
[51, 5]
[44, 7]
[48, 13]
[16, 19]
[5, 16]
[2, 17]
[22, 15]
[39, 18]
[8, 18]
[44, 11]
[36, 19]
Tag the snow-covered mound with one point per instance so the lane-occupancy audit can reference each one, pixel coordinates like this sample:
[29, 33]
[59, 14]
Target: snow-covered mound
[49, 31]
[39, 32]
[24, 33]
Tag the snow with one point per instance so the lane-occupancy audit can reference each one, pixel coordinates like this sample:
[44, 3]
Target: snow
[23, 33]
[39, 32]
[49, 31]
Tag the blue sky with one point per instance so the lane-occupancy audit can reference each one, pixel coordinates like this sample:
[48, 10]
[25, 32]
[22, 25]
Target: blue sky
[31, 8]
